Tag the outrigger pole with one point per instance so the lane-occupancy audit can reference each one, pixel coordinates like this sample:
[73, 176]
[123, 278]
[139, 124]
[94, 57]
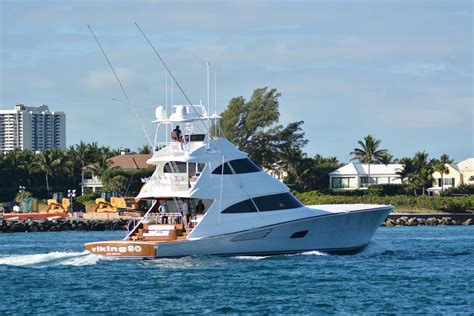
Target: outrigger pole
[174, 79]
[122, 88]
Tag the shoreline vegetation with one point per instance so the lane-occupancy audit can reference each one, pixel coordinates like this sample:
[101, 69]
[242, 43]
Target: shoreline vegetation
[402, 203]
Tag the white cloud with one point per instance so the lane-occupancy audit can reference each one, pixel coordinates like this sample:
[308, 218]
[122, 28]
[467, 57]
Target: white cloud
[102, 79]
[418, 69]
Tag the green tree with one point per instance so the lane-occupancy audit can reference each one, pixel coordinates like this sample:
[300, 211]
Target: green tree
[417, 171]
[423, 176]
[82, 153]
[252, 127]
[441, 166]
[116, 184]
[17, 166]
[46, 162]
[146, 149]
[388, 158]
[100, 166]
[369, 152]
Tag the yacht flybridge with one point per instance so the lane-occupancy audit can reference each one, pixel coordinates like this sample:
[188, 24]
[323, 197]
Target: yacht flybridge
[235, 208]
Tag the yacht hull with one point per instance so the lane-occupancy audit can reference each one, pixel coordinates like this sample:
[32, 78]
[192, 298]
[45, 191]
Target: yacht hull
[339, 233]
[342, 233]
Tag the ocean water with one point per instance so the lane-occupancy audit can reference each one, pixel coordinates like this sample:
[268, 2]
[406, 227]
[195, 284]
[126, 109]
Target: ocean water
[404, 270]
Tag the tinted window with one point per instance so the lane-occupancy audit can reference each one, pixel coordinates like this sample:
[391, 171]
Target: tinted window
[267, 203]
[197, 137]
[218, 170]
[277, 202]
[175, 167]
[241, 207]
[244, 165]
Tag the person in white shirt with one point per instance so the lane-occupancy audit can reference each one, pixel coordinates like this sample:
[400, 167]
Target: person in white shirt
[163, 210]
[185, 211]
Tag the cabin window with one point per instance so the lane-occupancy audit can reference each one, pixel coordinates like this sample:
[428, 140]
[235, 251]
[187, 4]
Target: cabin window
[175, 167]
[196, 168]
[274, 202]
[243, 165]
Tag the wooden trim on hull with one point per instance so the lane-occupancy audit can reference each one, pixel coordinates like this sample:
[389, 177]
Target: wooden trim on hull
[122, 249]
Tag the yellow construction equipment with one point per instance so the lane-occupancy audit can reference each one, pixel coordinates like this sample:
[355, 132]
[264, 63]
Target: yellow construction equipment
[102, 206]
[55, 207]
[118, 204]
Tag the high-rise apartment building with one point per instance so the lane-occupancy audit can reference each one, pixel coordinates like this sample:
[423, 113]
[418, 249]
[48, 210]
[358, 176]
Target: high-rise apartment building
[34, 128]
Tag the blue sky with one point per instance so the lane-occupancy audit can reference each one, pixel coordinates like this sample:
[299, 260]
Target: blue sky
[399, 70]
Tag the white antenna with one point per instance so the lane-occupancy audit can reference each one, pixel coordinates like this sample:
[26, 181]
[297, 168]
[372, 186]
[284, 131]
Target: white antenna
[215, 102]
[208, 98]
[166, 106]
[172, 94]
[121, 86]
[208, 102]
[215, 91]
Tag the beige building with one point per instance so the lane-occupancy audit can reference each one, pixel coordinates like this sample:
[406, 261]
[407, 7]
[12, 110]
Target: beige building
[460, 173]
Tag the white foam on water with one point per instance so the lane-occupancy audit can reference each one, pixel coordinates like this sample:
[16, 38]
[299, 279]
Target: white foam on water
[314, 253]
[50, 259]
[250, 257]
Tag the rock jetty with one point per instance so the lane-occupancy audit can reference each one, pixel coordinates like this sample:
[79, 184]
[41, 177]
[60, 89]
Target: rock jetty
[420, 221]
[61, 224]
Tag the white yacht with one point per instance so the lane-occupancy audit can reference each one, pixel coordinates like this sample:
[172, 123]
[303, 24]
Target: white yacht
[246, 211]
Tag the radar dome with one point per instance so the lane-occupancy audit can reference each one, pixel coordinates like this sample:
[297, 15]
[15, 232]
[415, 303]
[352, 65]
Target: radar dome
[179, 114]
[160, 113]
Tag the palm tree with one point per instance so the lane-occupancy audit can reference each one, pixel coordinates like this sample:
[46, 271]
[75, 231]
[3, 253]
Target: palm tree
[47, 161]
[441, 166]
[83, 153]
[17, 164]
[94, 151]
[369, 152]
[423, 170]
[146, 149]
[387, 159]
[101, 165]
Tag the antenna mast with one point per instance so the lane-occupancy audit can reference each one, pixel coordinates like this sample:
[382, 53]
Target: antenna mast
[171, 74]
[121, 87]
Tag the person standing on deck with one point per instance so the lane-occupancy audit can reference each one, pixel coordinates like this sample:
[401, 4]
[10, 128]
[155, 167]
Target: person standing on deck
[163, 210]
[178, 134]
[185, 211]
[200, 208]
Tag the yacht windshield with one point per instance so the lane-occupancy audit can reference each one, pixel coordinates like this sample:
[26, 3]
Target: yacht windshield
[274, 202]
[243, 165]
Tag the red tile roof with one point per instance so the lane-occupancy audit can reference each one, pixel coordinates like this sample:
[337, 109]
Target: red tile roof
[130, 162]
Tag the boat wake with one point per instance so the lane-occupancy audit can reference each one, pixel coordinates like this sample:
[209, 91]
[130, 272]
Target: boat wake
[307, 253]
[250, 257]
[314, 253]
[51, 259]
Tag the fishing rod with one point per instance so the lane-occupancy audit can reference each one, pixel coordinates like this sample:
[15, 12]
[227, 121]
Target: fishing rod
[121, 87]
[173, 77]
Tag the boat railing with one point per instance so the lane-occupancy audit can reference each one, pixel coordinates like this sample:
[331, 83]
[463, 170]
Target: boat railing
[174, 181]
[176, 148]
[158, 218]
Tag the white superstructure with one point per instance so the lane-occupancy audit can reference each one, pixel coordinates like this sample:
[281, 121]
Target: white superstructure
[34, 128]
